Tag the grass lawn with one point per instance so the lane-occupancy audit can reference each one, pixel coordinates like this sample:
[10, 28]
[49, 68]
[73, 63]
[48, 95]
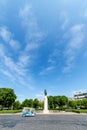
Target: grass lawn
[77, 110]
[10, 111]
[83, 110]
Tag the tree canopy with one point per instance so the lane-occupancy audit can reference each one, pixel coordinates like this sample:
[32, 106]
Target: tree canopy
[7, 97]
[57, 101]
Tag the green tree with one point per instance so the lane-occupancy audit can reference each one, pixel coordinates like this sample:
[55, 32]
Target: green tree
[41, 104]
[25, 103]
[79, 103]
[72, 104]
[1, 96]
[84, 103]
[63, 100]
[56, 101]
[17, 105]
[50, 102]
[7, 97]
[30, 103]
[36, 103]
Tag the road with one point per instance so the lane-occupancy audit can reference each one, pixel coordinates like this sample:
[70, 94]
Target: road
[43, 122]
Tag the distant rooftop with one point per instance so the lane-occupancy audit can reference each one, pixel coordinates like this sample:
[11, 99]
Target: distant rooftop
[80, 95]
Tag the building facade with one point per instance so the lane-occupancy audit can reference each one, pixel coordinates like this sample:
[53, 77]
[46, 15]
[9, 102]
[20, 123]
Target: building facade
[80, 95]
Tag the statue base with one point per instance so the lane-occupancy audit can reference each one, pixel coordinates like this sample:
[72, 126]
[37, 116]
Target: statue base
[45, 111]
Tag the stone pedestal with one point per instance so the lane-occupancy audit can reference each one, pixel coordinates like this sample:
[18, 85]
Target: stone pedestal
[45, 111]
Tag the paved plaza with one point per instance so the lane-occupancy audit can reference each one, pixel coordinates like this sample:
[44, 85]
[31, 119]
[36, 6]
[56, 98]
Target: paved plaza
[43, 122]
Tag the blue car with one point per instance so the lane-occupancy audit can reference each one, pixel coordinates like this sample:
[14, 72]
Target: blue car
[28, 112]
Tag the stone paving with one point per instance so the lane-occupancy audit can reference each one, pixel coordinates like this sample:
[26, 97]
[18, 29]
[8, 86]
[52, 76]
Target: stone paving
[44, 122]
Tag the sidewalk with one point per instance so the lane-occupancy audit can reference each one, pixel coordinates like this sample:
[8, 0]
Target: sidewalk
[50, 113]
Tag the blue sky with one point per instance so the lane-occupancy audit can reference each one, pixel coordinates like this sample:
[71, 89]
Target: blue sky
[43, 45]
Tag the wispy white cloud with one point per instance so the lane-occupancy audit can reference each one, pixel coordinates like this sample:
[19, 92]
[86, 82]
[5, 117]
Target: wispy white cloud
[65, 19]
[53, 57]
[26, 13]
[24, 60]
[14, 44]
[46, 70]
[33, 34]
[9, 63]
[16, 71]
[5, 34]
[19, 69]
[14, 66]
[2, 49]
[7, 37]
[6, 73]
[31, 47]
[76, 36]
